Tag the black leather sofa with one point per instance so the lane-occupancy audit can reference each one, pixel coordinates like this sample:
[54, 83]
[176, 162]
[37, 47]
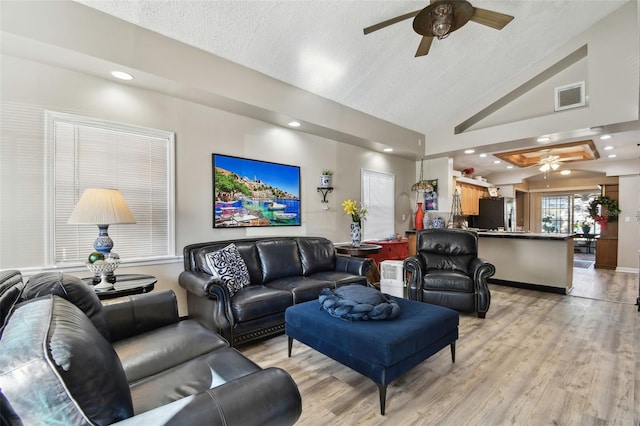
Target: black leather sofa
[446, 271]
[66, 359]
[283, 271]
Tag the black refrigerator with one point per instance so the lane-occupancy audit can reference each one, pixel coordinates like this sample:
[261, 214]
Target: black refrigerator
[494, 213]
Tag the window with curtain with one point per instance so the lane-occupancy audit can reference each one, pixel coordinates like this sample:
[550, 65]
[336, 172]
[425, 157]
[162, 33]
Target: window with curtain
[90, 153]
[378, 193]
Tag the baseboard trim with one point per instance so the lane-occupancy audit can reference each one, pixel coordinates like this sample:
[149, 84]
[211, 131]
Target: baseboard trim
[628, 270]
[527, 286]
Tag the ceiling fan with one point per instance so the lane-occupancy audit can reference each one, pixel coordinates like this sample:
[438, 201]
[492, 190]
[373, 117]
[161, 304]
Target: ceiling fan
[441, 18]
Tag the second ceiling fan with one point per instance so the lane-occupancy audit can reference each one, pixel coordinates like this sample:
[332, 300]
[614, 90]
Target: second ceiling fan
[441, 18]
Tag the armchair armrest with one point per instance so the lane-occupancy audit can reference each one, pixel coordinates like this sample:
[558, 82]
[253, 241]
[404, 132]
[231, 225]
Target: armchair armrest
[132, 315]
[414, 269]
[481, 269]
[353, 265]
[266, 397]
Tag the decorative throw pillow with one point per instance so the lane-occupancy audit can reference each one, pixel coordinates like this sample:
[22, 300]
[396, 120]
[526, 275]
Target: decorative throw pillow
[358, 303]
[228, 266]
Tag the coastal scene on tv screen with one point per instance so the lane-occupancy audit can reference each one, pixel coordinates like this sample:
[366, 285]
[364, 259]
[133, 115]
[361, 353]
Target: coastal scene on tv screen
[254, 193]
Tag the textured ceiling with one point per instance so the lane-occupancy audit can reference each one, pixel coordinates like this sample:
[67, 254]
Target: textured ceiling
[319, 46]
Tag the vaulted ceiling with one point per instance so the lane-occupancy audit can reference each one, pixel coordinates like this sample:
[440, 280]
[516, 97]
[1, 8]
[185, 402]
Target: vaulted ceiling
[319, 46]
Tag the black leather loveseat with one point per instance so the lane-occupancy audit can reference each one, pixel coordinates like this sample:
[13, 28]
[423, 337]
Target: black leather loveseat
[282, 271]
[64, 359]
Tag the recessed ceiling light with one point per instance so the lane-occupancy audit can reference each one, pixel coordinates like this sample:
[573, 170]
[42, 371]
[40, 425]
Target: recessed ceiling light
[469, 151]
[509, 167]
[608, 148]
[544, 139]
[294, 123]
[565, 172]
[483, 155]
[388, 150]
[122, 75]
[605, 137]
[612, 156]
[496, 161]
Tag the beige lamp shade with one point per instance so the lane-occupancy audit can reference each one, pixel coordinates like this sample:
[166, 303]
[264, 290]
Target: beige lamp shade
[101, 206]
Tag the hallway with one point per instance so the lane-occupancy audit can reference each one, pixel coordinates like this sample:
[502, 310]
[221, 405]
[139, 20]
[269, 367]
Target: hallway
[602, 284]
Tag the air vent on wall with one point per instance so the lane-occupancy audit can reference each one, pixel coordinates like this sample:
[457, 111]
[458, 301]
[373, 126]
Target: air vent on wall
[570, 96]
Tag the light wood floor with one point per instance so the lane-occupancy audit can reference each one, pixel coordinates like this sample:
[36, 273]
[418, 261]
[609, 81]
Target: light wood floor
[537, 359]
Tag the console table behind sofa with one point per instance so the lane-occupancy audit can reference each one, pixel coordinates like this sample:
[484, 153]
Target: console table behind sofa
[283, 271]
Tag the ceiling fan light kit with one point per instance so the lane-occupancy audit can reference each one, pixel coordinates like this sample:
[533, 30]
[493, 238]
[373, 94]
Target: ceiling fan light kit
[441, 18]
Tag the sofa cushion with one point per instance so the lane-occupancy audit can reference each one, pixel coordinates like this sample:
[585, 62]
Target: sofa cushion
[317, 255]
[196, 375]
[72, 289]
[53, 363]
[227, 265]
[303, 289]
[278, 259]
[340, 278]
[445, 280]
[257, 301]
[357, 302]
[142, 356]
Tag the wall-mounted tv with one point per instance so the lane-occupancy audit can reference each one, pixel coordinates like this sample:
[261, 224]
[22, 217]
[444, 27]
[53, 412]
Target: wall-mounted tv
[250, 193]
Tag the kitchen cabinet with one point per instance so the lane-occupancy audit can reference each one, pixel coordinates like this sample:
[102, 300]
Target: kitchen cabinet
[469, 198]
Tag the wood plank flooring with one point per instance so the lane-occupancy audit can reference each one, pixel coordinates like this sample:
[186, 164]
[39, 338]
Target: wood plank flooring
[537, 359]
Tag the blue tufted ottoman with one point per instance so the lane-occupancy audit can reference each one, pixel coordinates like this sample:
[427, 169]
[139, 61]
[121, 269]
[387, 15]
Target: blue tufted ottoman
[380, 350]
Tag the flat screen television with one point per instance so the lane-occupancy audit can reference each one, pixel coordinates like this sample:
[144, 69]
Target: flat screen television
[254, 193]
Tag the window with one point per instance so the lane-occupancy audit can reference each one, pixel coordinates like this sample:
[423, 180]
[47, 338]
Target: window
[378, 198]
[556, 214]
[90, 153]
[563, 213]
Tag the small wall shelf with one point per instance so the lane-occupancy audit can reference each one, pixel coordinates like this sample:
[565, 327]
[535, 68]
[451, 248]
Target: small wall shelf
[324, 191]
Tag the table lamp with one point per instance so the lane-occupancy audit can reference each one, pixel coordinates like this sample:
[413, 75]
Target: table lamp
[102, 207]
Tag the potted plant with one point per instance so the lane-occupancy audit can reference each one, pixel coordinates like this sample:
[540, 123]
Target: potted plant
[325, 178]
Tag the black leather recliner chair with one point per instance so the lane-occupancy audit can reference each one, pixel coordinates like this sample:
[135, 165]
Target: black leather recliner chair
[446, 271]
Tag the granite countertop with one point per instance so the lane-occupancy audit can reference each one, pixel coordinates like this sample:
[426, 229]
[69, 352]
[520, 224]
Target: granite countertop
[520, 235]
[526, 235]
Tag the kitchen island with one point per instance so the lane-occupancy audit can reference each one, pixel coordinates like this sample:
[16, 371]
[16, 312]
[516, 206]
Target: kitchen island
[538, 261]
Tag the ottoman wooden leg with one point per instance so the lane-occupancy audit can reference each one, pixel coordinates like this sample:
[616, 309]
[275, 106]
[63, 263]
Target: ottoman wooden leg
[383, 397]
[453, 352]
[290, 345]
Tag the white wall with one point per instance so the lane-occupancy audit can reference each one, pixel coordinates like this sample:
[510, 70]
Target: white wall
[29, 88]
[628, 226]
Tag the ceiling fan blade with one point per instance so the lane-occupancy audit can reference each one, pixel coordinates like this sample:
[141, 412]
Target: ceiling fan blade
[392, 21]
[490, 18]
[425, 45]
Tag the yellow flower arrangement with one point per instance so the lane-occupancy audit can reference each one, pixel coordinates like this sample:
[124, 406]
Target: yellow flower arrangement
[351, 208]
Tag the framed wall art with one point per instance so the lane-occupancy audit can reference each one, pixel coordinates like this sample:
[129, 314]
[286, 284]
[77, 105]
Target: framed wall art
[431, 195]
[250, 193]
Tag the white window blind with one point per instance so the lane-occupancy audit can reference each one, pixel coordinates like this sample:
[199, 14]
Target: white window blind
[90, 153]
[378, 193]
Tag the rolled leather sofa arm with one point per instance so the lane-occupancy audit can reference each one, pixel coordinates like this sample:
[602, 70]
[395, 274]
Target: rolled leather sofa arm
[266, 397]
[208, 301]
[414, 271]
[197, 283]
[353, 265]
[131, 315]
